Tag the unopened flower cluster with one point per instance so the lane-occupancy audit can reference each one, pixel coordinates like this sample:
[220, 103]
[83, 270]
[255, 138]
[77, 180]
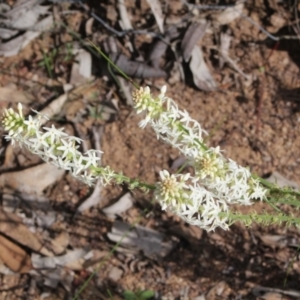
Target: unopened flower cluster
[55, 146]
[202, 199]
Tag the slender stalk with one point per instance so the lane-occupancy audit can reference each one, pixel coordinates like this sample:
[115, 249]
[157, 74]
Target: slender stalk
[113, 65]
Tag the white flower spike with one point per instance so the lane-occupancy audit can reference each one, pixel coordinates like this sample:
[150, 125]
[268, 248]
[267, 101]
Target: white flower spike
[203, 199]
[54, 146]
[218, 180]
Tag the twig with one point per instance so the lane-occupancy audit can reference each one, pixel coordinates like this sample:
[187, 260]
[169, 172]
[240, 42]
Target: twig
[271, 36]
[213, 7]
[116, 32]
[207, 7]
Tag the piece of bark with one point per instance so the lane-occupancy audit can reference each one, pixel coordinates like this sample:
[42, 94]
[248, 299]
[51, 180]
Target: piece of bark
[14, 256]
[192, 36]
[136, 69]
[12, 227]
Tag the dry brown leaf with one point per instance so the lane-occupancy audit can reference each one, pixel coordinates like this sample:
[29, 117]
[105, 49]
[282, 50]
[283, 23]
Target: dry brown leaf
[272, 296]
[54, 107]
[135, 68]
[283, 255]
[153, 243]
[4, 269]
[225, 40]
[230, 14]
[72, 259]
[201, 75]
[89, 26]
[12, 95]
[282, 181]
[278, 21]
[115, 274]
[160, 47]
[274, 241]
[9, 157]
[24, 15]
[125, 21]
[7, 33]
[12, 226]
[15, 45]
[178, 162]
[192, 36]
[157, 12]
[82, 68]
[32, 180]
[220, 290]
[60, 242]
[14, 256]
[55, 277]
[190, 233]
[122, 205]
[97, 255]
[35, 211]
[126, 89]
[93, 199]
[111, 13]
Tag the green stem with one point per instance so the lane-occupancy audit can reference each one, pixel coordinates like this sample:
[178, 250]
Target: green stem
[263, 219]
[203, 146]
[264, 182]
[139, 184]
[113, 65]
[120, 178]
[292, 202]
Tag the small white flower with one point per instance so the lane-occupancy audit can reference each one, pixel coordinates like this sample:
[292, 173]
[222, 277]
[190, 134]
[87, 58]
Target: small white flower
[68, 149]
[144, 123]
[62, 163]
[173, 113]
[107, 175]
[258, 191]
[54, 134]
[74, 139]
[38, 141]
[40, 115]
[93, 158]
[32, 124]
[49, 154]
[88, 178]
[78, 165]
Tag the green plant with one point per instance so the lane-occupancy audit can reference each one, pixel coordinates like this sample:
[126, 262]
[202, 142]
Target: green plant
[138, 295]
[69, 52]
[49, 61]
[204, 198]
